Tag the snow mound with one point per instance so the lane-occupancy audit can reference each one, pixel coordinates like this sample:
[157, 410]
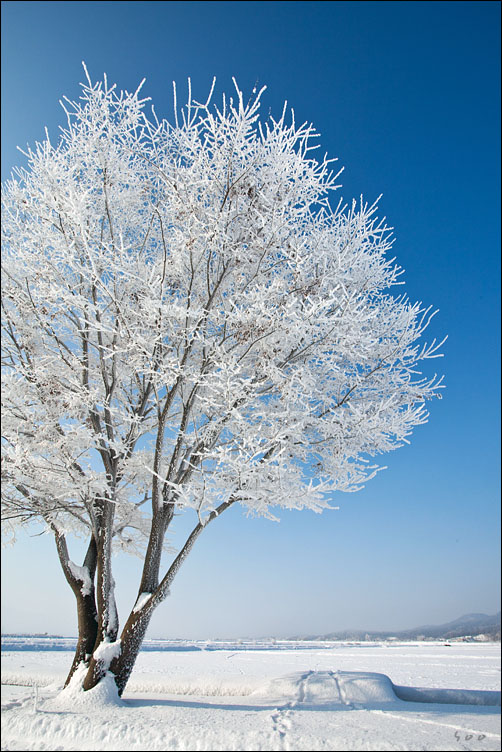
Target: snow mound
[73, 696]
[321, 688]
[360, 689]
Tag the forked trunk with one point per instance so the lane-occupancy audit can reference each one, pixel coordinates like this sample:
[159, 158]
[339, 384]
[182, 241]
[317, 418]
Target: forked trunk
[122, 661]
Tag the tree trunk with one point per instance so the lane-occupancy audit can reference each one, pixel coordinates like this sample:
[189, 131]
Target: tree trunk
[151, 567]
[83, 589]
[87, 632]
[107, 627]
[135, 628]
[130, 642]
[105, 585]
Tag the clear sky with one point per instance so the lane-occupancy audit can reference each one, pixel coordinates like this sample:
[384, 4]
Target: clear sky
[406, 95]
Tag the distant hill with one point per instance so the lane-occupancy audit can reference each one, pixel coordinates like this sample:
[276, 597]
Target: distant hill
[469, 625]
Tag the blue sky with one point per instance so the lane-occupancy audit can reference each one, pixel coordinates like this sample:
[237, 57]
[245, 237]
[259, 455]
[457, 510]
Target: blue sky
[406, 95]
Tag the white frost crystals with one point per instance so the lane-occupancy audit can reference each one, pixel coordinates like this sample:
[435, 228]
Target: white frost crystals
[198, 265]
[203, 261]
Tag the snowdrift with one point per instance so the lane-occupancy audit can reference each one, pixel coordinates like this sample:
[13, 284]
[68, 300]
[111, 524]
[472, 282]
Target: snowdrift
[360, 689]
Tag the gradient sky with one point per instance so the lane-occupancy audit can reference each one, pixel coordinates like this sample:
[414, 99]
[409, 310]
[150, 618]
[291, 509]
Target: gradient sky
[406, 95]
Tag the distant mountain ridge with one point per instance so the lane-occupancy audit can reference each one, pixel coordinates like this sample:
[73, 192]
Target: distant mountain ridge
[469, 625]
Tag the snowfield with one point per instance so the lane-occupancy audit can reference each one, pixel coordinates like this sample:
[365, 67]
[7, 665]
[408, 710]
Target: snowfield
[259, 695]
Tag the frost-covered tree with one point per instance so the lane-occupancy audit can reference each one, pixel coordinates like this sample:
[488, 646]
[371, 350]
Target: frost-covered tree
[188, 324]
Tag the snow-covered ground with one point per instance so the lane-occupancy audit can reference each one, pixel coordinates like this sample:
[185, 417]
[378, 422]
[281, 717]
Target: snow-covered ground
[260, 696]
